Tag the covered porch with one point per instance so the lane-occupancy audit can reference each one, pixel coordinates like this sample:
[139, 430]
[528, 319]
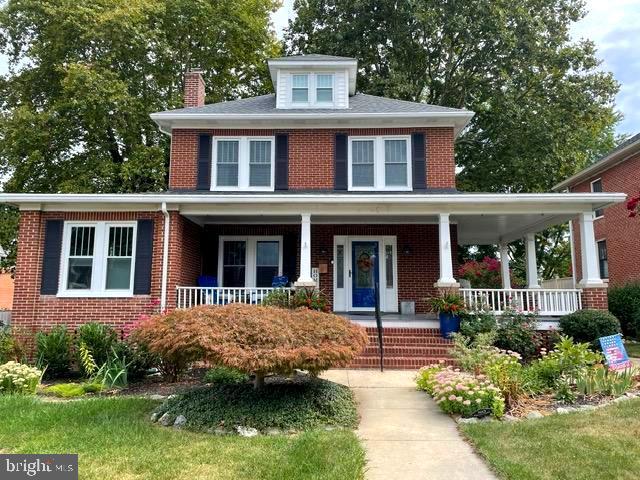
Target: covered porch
[412, 239]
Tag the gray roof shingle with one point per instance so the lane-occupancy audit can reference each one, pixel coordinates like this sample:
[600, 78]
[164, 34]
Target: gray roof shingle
[312, 57]
[359, 103]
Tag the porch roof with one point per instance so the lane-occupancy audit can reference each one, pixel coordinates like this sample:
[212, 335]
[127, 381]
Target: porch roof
[482, 218]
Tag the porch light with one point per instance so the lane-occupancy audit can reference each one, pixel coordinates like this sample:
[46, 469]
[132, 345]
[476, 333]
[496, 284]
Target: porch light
[406, 250]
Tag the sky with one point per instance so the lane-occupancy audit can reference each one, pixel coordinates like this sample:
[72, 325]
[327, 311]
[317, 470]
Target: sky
[614, 26]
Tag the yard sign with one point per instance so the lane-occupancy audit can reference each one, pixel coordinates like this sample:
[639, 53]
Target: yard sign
[615, 352]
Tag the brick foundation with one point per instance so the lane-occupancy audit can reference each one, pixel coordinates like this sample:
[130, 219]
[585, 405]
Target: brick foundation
[595, 298]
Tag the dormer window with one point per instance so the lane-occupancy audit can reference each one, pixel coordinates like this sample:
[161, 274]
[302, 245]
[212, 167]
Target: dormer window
[300, 89]
[324, 88]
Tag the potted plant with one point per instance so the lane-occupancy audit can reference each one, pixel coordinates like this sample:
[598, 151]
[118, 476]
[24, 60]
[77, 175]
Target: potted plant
[448, 306]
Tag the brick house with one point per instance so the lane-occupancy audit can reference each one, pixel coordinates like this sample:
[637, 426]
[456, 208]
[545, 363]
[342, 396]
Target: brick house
[314, 185]
[617, 236]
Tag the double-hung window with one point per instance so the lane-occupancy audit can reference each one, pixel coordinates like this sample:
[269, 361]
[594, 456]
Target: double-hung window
[300, 88]
[379, 163]
[596, 187]
[324, 88]
[603, 260]
[249, 261]
[244, 163]
[98, 259]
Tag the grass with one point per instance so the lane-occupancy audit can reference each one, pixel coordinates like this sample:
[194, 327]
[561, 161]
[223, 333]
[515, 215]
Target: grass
[115, 439]
[600, 444]
[300, 404]
[633, 348]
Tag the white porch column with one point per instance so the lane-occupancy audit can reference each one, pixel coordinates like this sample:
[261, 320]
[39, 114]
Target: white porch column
[589, 252]
[305, 279]
[504, 266]
[446, 263]
[532, 264]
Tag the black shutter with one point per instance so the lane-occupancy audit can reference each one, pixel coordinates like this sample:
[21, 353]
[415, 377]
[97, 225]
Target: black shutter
[282, 161]
[418, 157]
[290, 256]
[340, 162]
[204, 162]
[144, 254]
[51, 258]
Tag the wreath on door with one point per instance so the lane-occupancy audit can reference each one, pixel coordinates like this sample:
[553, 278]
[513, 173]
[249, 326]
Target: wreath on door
[364, 262]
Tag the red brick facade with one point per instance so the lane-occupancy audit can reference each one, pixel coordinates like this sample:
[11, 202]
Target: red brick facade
[311, 155]
[595, 298]
[621, 233]
[33, 311]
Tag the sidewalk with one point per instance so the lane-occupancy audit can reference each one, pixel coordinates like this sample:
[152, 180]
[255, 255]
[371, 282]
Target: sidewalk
[405, 434]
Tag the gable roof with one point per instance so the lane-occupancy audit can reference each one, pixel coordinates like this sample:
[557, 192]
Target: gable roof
[619, 154]
[359, 103]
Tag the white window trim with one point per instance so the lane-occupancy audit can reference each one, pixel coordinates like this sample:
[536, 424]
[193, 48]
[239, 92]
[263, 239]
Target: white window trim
[379, 164]
[243, 164]
[99, 268]
[250, 256]
[591, 188]
[312, 97]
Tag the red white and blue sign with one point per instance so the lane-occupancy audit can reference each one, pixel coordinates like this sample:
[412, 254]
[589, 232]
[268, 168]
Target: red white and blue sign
[615, 353]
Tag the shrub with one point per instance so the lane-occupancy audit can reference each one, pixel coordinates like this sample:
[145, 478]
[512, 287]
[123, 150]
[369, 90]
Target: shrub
[225, 375]
[476, 322]
[16, 378]
[460, 392]
[624, 304]
[53, 351]
[516, 332]
[484, 274]
[278, 298]
[254, 339]
[71, 390]
[138, 357]
[310, 298]
[10, 347]
[300, 403]
[99, 339]
[601, 380]
[589, 325]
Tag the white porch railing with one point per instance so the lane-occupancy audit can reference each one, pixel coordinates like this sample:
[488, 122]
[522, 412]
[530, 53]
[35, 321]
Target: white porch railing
[545, 302]
[188, 297]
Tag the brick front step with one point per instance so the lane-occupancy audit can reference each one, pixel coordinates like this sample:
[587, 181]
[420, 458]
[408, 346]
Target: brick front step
[407, 351]
[395, 331]
[410, 340]
[398, 363]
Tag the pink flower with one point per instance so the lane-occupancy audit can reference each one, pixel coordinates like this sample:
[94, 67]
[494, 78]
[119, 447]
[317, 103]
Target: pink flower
[467, 402]
[452, 397]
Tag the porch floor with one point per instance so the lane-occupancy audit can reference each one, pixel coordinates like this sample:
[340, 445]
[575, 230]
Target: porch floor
[394, 320]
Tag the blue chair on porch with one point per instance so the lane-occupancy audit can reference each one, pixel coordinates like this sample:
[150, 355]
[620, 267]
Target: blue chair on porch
[280, 282]
[209, 281]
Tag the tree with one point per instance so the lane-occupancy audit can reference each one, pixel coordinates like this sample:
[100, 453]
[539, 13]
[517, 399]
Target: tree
[253, 339]
[544, 108]
[84, 77]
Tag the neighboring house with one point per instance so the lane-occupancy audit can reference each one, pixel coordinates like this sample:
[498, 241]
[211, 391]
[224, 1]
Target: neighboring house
[315, 183]
[6, 287]
[617, 236]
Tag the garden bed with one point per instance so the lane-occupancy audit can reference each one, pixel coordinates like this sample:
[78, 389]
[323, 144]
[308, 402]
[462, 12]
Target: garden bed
[283, 405]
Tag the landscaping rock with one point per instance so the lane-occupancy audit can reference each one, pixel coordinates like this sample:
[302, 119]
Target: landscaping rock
[510, 418]
[157, 397]
[247, 431]
[154, 417]
[467, 420]
[166, 419]
[587, 407]
[217, 431]
[273, 431]
[535, 414]
[486, 419]
[180, 421]
[564, 410]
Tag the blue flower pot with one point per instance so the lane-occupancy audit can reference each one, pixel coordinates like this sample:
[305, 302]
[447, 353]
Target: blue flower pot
[449, 323]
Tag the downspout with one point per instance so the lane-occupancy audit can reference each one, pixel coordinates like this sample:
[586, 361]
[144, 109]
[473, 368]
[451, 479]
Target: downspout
[165, 258]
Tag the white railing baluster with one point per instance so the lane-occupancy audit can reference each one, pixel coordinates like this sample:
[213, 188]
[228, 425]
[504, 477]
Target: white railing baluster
[187, 297]
[547, 302]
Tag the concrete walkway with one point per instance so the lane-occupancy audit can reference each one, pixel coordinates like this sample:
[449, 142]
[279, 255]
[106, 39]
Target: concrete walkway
[405, 434]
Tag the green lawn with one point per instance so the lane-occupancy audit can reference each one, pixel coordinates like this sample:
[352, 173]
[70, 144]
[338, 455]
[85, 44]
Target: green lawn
[115, 439]
[602, 444]
[633, 349]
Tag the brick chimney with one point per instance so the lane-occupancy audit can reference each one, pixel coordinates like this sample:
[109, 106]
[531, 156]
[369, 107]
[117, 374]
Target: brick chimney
[194, 88]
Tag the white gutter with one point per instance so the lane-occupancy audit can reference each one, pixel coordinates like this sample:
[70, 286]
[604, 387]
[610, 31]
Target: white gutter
[310, 115]
[316, 198]
[165, 258]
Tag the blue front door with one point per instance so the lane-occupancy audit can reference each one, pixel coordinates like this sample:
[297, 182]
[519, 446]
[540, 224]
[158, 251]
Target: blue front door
[365, 273]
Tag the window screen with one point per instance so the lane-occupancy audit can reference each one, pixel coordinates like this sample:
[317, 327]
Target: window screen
[227, 163]
[395, 163]
[362, 163]
[324, 88]
[80, 267]
[119, 258]
[260, 163]
[300, 89]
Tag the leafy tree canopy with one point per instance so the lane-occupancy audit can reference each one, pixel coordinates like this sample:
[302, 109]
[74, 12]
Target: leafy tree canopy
[544, 109]
[84, 77]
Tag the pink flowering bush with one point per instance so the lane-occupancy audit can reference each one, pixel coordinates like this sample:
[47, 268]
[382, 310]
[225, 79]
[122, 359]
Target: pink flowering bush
[458, 392]
[484, 274]
[633, 205]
